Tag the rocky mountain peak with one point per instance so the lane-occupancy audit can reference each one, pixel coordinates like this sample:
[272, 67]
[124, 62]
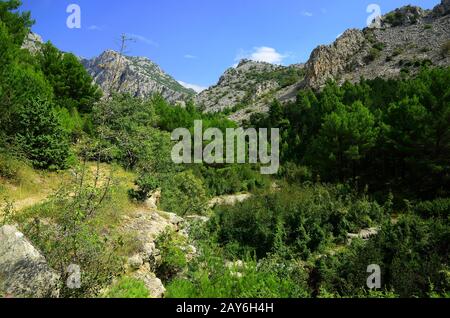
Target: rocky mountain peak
[137, 76]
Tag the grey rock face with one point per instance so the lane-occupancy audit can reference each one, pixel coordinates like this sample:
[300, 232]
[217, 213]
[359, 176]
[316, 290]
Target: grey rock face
[328, 61]
[23, 270]
[137, 76]
[33, 43]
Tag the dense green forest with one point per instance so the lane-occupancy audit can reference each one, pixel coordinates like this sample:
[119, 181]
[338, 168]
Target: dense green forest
[375, 154]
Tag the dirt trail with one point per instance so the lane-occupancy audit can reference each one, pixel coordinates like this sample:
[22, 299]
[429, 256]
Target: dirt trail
[21, 205]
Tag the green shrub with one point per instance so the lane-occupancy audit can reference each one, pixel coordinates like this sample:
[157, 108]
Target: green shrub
[294, 173]
[127, 287]
[210, 277]
[79, 228]
[145, 184]
[305, 220]
[437, 208]
[379, 46]
[173, 248]
[374, 54]
[183, 194]
[40, 135]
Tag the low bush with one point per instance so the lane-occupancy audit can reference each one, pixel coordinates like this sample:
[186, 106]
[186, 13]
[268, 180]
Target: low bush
[173, 248]
[127, 287]
[305, 220]
[210, 276]
[184, 194]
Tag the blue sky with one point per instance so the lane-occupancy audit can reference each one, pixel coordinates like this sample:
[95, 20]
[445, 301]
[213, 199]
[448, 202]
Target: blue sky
[195, 41]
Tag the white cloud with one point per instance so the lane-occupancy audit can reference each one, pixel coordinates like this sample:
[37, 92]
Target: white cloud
[190, 57]
[307, 14]
[262, 54]
[196, 88]
[95, 28]
[142, 39]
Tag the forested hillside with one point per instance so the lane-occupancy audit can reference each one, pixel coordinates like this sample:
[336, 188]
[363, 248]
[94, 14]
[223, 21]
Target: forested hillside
[87, 177]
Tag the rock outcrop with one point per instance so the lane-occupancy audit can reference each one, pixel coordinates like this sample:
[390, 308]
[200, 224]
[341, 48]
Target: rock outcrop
[137, 76]
[146, 226]
[33, 43]
[24, 272]
[327, 62]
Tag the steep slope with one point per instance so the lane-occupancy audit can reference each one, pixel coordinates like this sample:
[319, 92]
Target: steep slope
[247, 84]
[135, 75]
[405, 40]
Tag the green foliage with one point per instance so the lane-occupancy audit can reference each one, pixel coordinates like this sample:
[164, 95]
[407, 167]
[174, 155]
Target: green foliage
[127, 287]
[184, 194]
[18, 24]
[397, 51]
[388, 134]
[394, 18]
[173, 249]
[284, 77]
[145, 184]
[9, 166]
[374, 54]
[124, 130]
[411, 253]
[71, 83]
[210, 277]
[39, 134]
[310, 218]
[346, 136]
[229, 179]
[75, 232]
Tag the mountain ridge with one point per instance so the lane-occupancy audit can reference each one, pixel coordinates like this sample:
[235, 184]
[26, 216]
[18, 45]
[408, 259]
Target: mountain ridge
[406, 39]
